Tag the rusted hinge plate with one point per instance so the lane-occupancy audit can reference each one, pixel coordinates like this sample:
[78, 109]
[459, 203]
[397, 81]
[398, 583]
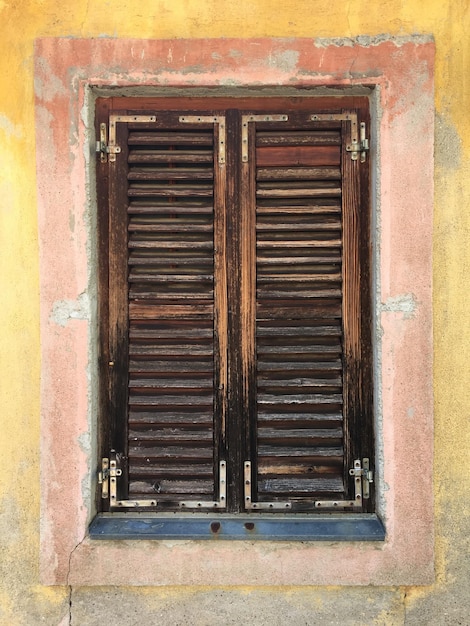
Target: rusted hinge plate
[210, 119]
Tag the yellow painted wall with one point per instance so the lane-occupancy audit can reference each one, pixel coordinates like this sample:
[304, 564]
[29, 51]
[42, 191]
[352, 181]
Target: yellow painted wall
[22, 599]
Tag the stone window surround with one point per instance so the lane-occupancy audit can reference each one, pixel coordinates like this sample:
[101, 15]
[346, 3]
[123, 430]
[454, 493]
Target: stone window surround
[398, 74]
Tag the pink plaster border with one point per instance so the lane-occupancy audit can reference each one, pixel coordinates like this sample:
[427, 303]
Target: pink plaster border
[401, 71]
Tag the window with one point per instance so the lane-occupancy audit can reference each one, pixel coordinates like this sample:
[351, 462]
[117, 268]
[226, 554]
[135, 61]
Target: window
[397, 76]
[235, 311]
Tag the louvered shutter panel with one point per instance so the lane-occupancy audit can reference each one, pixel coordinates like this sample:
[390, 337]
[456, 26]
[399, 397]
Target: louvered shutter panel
[299, 455]
[172, 214]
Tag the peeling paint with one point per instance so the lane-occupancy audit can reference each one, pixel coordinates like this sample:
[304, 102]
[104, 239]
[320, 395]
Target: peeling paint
[66, 310]
[406, 304]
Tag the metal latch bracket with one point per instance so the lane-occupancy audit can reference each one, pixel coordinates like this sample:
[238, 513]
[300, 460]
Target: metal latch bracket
[358, 144]
[110, 148]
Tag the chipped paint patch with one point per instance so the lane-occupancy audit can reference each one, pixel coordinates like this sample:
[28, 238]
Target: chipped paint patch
[9, 128]
[65, 310]
[406, 304]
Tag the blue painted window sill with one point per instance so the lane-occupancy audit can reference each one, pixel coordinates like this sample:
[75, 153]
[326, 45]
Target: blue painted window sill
[325, 527]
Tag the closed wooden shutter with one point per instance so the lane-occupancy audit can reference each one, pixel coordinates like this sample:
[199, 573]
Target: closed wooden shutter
[235, 286]
[296, 195]
[163, 283]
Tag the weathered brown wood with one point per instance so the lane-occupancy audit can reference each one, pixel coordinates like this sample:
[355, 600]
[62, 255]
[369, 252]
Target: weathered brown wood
[304, 156]
[170, 156]
[118, 297]
[141, 311]
[154, 207]
[173, 138]
[298, 173]
[239, 304]
[298, 138]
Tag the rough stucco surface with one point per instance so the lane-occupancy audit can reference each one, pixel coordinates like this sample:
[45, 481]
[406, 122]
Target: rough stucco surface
[23, 601]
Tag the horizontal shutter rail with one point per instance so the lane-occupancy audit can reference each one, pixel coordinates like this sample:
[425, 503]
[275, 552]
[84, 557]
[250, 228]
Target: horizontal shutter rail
[313, 453]
[317, 257]
[304, 156]
[169, 453]
[298, 277]
[174, 470]
[301, 243]
[169, 226]
[324, 308]
[299, 137]
[157, 242]
[155, 207]
[166, 487]
[172, 191]
[298, 173]
[301, 399]
[189, 416]
[175, 174]
[166, 138]
[171, 156]
[306, 419]
[300, 192]
[140, 311]
[173, 436]
[309, 487]
[300, 329]
[157, 276]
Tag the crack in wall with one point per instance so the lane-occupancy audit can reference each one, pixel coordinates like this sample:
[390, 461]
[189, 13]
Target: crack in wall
[67, 583]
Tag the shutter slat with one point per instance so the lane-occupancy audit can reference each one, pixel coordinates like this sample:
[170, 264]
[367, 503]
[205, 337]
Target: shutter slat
[298, 138]
[170, 138]
[171, 156]
[303, 156]
[298, 173]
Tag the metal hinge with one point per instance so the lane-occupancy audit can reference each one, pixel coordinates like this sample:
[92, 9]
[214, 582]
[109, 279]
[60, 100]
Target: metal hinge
[110, 148]
[361, 146]
[210, 119]
[246, 119]
[362, 479]
[257, 506]
[107, 478]
[221, 503]
[358, 144]
[110, 472]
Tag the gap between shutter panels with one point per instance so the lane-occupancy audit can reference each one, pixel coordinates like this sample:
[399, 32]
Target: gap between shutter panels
[171, 294]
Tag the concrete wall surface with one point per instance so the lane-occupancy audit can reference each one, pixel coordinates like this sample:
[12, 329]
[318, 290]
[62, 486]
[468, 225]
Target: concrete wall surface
[23, 599]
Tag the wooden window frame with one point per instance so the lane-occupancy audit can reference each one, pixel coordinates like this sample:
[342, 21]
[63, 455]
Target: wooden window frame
[357, 319]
